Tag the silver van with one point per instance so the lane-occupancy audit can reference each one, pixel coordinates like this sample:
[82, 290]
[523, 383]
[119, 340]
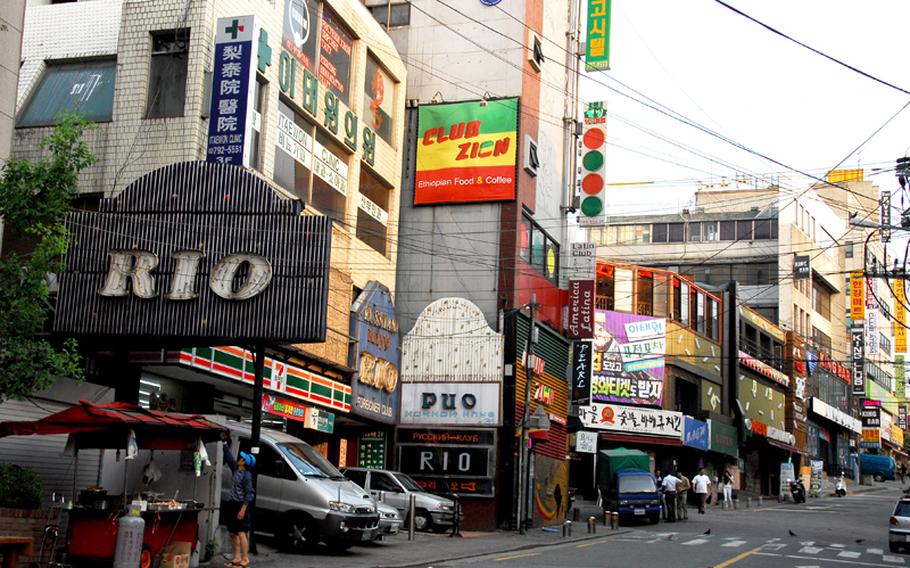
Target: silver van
[301, 498]
[431, 512]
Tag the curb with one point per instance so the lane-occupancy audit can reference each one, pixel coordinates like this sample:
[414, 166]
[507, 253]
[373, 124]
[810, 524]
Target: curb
[525, 546]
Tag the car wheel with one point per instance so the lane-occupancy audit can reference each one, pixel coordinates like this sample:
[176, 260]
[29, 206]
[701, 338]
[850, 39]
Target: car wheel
[300, 534]
[894, 547]
[422, 521]
[878, 477]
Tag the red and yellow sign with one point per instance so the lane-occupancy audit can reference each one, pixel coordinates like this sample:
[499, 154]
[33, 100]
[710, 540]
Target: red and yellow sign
[857, 297]
[466, 152]
[900, 317]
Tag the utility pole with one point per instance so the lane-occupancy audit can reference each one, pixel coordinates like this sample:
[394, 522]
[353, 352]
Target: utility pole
[523, 462]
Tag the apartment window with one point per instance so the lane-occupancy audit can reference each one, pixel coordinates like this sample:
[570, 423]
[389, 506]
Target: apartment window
[848, 249]
[885, 343]
[399, 15]
[711, 319]
[709, 231]
[379, 98]
[167, 74]
[821, 300]
[676, 232]
[293, 152]
[659, 233]
[372, 211]
[821, 340]
[694, 230]
[644, 293]
[525, 242]
[606, 289]
[727, 230]
[544, 250]
[683, 303]
[84, 88]
[661, 295]
[744, 230]
[255, 151]
[762, 229]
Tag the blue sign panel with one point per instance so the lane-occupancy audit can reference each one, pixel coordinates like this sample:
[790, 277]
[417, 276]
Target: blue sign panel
[695, 434]
[376, 356]
[230, 119]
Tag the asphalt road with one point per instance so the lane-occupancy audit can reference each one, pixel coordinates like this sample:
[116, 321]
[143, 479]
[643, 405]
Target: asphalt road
[827, 533]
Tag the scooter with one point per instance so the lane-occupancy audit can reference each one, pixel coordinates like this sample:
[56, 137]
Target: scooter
[798, 491]
[840, 487]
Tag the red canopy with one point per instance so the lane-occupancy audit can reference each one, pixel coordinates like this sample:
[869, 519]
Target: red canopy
[107, 426]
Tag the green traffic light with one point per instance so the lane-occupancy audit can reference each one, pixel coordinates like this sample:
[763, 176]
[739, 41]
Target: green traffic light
[592, 206]
[593, 160]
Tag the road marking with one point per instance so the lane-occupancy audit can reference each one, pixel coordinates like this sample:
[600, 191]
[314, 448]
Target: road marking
[848, 554]
[695, 542]
[838, 546]
[734, 543]
[795, 557]
[514, 556]
[587, 544]
[738, 557]
[875, 551]
[807, 542]
[894, 559]
[775, 546]
[810, 550]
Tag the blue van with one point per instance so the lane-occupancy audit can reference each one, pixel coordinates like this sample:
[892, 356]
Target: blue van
[879, 467]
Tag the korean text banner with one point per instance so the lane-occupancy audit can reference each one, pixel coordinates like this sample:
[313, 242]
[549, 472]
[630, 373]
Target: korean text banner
[597, 53]
[466, 152]
[632, 420]
[628, 358]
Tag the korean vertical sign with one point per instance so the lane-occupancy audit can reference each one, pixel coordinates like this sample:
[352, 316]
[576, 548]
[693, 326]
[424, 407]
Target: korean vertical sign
[233, 80]
[858, 359]
[857, 297]
[597, 52]
[900, 317]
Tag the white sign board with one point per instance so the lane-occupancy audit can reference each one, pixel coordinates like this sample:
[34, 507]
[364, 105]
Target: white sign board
[582, 261]
[632, 420]
[586, 442]
[458, 404]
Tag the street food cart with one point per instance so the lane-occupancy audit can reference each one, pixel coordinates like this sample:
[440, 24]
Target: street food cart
[94, 513]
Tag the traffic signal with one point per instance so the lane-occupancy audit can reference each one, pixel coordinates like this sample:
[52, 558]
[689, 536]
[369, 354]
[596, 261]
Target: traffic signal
[593, 182]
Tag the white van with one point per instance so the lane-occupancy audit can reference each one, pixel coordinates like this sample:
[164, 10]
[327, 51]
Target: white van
[301, 498]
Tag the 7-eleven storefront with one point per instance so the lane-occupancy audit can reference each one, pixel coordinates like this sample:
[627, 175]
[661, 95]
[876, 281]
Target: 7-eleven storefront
[217, 380]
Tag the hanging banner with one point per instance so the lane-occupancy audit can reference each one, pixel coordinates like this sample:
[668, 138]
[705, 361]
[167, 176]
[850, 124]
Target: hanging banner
[858, 360]
[902, 416]
[582, 358]
[632, 420]
[580, 323]
[233, 80]
[597, 50]
[886, 216]
[802, 269]
[872, 333]
[900, 316]
[466, 152]
[857, 297]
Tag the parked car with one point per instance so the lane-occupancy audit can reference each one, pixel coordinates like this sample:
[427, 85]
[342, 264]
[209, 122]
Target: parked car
[899, 526]
[431, 512]
[879, 467]
[301, 497]
[390, 521]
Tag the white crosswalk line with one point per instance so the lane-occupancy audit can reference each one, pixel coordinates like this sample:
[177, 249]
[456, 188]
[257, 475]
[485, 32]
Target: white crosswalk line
[733, 543]
[894, 559]
[807, 542]
[838, 546]
[874, 551]
[810, 550]
[848, 554]
[696, 542]
[774, 546]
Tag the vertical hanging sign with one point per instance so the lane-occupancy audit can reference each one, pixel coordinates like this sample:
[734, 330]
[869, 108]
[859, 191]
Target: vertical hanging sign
[582, 360]
[885, 216]
[233, 80]
[597, 51]
[900, 317]
[593, 162]
[858, 360]
[857, 297]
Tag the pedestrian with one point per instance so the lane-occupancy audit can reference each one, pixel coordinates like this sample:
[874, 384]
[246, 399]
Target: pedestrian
[557, 496]
[728, 489]
[659, 480]
[682, 494]
[902, 471]
[236, 509]
[670, 485]
[701, 482]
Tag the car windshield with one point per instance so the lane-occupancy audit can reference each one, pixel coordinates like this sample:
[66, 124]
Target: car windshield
[308, 461]
[636, 484]
[903, 509]
[408, 483]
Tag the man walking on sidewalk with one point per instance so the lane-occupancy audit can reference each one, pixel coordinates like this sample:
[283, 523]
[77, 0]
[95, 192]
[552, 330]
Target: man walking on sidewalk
[682, 494]
[669, 485]
[701, 482]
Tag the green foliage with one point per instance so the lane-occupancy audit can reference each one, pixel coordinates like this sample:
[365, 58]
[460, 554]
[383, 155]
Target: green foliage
[20, 488]
[34, 198]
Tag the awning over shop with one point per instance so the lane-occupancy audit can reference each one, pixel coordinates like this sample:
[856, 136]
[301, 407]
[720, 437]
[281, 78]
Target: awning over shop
[108, 425]
[641, 439]
[786, 447]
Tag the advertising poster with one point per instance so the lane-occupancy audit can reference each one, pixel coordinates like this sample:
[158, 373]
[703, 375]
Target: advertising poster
[379, 91]
[371, 450]
[815, 484]
[597, 52]
[632, 420]
[787, 474]
[466, 152]
[300, 31]
[335, 56]
[628, 358]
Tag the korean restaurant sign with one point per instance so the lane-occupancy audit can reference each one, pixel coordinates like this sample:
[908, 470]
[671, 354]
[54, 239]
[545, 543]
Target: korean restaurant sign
[628, 366]
[597, 51]
[632, 420]
[466, 152]
[307, 85]
[233, 80]
[375, 355]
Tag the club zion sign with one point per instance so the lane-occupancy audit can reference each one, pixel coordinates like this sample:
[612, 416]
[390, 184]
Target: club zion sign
[196, 251]
[376, 354]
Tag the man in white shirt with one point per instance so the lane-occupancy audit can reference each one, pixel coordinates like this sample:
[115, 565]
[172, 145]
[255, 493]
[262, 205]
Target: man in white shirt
[669, 486]
[701, 483]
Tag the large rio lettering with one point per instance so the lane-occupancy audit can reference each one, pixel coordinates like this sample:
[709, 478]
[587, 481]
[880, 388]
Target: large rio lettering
[131, 270]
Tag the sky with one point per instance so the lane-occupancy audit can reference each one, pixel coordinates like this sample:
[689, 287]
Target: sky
[754, 87]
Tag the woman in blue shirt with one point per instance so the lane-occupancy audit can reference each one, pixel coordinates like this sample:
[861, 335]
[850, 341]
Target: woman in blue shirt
[236, 509]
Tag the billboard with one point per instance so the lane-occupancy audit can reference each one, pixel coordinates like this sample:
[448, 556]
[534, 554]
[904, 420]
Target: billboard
[466, 152]
[597, 51]
[628, 358]
[375, 354]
